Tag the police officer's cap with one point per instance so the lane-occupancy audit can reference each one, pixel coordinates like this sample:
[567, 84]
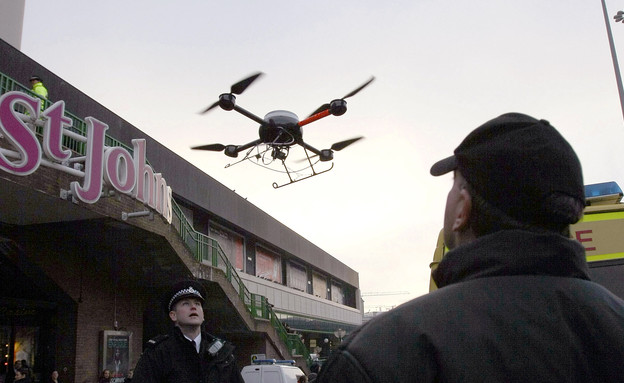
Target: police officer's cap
[185, 289]
[35, 77]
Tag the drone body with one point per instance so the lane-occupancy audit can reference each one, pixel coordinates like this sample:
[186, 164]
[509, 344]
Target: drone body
[280, 130]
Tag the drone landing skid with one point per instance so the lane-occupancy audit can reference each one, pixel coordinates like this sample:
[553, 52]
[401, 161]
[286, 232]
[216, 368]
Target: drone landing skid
[249, 155]
[292, 181]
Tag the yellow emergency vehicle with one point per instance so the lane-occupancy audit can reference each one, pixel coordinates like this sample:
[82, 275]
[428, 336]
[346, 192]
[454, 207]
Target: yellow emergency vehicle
[600, 231]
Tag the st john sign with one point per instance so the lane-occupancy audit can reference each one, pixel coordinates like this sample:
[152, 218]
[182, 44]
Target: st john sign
[100, 167]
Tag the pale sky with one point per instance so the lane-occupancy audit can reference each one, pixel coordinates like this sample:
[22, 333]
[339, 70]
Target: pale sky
[442, 68]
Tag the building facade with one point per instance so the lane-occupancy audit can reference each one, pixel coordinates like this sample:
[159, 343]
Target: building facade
[97, 219]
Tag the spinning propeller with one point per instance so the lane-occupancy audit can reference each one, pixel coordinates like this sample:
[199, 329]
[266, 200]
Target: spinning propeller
[327, 154]
[211, 147]
[339, 106]
[338, 146]
[238, 89]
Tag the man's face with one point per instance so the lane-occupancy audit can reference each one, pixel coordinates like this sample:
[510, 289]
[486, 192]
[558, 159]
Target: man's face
[453, 206]
[187, 312]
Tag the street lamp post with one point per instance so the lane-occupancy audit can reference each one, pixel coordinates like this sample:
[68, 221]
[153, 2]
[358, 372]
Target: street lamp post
[616, 67]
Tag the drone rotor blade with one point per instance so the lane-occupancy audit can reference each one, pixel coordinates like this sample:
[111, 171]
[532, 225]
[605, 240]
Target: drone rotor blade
[312, 157]
[352, 93]
[356, 91]
[240, 86]
[211, 147]
[343, 144]
[237, 88]
[210, 108]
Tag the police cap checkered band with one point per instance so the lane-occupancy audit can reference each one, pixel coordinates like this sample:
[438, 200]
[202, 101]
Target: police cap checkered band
[184, 290]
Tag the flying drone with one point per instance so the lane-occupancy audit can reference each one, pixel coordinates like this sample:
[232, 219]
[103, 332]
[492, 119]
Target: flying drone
[279, 131]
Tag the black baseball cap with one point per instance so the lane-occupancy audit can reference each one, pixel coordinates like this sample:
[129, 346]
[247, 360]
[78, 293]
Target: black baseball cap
[514, 162]
[185, 289]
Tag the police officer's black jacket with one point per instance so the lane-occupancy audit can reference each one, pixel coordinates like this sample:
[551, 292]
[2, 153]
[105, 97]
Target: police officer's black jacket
[512, 306]
[173, 358]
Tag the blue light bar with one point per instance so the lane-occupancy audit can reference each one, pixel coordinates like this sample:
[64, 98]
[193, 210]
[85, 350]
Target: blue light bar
[274, 361]
[602, 189]
[264, 361]
[286, 361]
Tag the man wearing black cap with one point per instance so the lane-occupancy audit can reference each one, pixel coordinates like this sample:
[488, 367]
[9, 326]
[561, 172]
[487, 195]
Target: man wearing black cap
[188, 354]
[515, 302]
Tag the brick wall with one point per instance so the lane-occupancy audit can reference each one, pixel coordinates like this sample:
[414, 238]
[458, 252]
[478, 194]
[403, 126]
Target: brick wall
[99, 300]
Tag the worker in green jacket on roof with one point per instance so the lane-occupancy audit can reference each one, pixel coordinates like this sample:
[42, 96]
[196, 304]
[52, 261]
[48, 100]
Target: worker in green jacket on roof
[39, 89]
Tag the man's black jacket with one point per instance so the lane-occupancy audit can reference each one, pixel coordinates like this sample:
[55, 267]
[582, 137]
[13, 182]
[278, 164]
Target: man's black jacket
[173, 358]
[512, 307]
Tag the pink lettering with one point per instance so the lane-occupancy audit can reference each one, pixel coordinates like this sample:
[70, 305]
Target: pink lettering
[20, 136]
[145, 189]
[151, 188]
[114, 166]
[158, 195]
[94, 164]
[162, 204]
[168, 209]
[119, 169]
[53, 132]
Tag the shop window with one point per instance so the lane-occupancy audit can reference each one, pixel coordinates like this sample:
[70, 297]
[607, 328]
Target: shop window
[349, 295]
[319, 286]
[231, 243]
[297, 277]
[268, 265]
[337, 294]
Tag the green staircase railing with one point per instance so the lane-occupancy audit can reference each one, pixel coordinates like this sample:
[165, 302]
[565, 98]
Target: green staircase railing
[207, 250]
[204, 248]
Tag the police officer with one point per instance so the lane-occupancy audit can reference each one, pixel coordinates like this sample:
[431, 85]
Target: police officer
[187, 354]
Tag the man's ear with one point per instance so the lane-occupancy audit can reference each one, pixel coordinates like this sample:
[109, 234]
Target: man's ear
[173, 315]
[463, 210]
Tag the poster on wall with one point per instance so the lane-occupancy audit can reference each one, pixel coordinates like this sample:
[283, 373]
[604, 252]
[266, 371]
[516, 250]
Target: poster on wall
[115, 354]
[25, 345]
[231, 244]
[268, 265]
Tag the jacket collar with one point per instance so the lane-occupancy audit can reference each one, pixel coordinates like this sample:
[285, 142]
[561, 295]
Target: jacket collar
[513, 252]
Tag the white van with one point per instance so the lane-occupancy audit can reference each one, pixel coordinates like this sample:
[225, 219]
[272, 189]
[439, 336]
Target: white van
[271, 371]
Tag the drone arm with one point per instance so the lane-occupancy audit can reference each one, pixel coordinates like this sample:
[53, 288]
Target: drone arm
[310, 148]
[240, 148]
[249, 115]
[314, 117]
